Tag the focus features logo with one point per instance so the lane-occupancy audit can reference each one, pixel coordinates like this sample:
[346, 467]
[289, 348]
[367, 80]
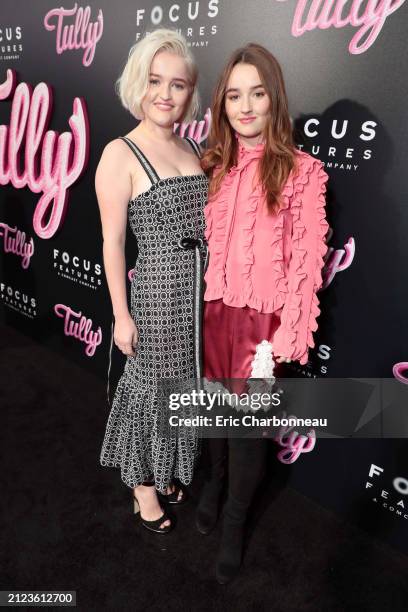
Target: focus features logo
[195, 19]
[18, 300]
[10, 42]
[341, 149]
[324, 354]
[317, 366]
[394, 498]
[77, 269]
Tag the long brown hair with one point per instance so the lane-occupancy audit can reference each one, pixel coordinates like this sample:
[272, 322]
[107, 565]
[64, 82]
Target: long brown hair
[278, 158]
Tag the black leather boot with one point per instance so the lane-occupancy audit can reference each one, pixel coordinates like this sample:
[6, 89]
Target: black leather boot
[246, 470]
[208, 506]
[230, 551]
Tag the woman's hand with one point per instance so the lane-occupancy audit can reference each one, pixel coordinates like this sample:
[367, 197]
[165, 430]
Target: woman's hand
[125, 335]
[283, 360]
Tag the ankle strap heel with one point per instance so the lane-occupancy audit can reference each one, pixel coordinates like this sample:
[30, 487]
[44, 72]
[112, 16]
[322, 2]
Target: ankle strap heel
[154, 526]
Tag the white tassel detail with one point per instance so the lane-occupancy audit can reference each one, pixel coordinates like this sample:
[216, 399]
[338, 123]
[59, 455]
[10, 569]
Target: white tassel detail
[263, 363]
[262, 378]
[216, 387]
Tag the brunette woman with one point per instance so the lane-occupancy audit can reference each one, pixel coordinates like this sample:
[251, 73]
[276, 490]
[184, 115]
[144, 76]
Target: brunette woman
[266, 236]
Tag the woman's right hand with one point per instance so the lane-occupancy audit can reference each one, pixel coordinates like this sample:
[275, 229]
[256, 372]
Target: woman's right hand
[125, 335]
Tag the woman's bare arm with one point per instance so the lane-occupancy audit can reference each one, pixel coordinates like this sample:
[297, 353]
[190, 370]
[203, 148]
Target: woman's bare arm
[113, 188]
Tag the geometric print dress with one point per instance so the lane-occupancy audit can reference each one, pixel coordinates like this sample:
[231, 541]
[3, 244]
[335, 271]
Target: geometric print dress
[168, 223]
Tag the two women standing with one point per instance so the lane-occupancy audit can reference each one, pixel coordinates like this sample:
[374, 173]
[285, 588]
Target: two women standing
[265, 230]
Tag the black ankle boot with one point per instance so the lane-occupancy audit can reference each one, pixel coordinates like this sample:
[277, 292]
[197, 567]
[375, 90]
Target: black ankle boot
[231, 546]
[208, 506]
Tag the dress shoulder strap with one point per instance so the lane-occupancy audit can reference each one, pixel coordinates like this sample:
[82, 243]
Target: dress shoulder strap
[144, 162]
[194, 146]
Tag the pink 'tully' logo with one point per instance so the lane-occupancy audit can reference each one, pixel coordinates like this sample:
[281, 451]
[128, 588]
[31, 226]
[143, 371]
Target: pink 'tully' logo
[82, 34]
[53, 174]
[78, 326]
[398, 371]
[337, 260]
[198, 130]
[293, 444]
[324, 14]
[14, 241]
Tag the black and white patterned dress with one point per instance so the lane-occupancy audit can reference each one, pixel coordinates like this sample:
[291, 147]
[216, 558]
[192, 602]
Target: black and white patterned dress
[168, 223]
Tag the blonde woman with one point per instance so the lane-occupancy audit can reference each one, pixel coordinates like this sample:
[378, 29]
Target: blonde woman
[152, 178]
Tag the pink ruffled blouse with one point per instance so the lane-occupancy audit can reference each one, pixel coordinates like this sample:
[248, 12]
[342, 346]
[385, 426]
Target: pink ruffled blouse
[270, 262]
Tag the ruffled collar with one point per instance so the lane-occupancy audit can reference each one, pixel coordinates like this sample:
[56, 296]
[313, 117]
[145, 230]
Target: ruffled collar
[246, 153]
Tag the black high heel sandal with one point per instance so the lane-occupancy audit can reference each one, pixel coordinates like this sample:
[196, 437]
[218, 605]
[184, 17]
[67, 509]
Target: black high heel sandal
[172, 498]
[152, 525]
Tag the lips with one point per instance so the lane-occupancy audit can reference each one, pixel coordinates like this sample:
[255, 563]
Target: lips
[247, 119]
[164, 106]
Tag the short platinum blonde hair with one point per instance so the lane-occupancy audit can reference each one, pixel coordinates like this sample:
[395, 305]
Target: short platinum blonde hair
[133, 83]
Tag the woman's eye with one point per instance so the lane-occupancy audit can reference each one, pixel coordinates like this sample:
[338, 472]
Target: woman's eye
[179, 86]
[260, 94]
[233, 97]
[154, 81]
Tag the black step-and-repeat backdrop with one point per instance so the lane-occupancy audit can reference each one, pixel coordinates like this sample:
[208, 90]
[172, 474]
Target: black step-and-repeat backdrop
[345, 69]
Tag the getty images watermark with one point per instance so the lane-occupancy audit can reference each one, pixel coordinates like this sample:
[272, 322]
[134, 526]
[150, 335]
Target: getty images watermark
[248, 402]
[333, 407]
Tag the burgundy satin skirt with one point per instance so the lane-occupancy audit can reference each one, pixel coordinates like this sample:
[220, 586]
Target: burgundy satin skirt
[237, 341]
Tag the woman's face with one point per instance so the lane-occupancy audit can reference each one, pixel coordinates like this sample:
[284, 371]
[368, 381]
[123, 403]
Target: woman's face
[247, 104]
[169, 89]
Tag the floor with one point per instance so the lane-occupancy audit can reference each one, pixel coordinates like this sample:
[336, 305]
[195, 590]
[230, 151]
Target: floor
[68, 524]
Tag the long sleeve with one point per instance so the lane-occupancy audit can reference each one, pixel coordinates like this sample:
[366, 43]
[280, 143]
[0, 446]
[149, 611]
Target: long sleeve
[294, 336]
